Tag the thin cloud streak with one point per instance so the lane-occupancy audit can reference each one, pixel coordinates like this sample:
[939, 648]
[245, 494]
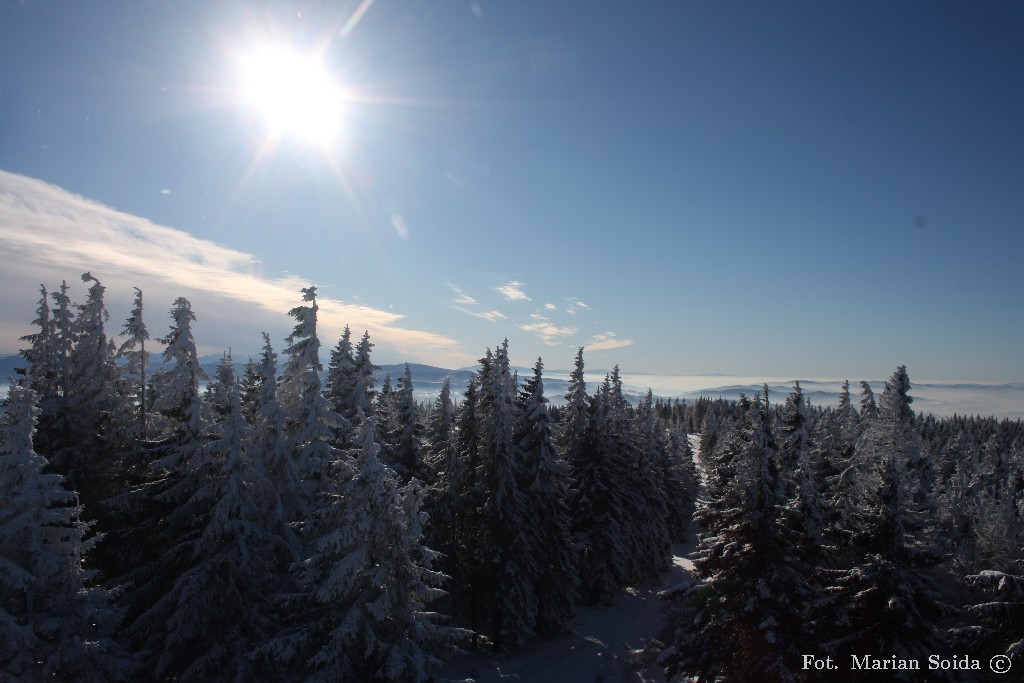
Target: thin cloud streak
[48, 232]
[548, 332]
[462, 299]
[574, 305]
[486, 315]
[606, 341]
[513, 291]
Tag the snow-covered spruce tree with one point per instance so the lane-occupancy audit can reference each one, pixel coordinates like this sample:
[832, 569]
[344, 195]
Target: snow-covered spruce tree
[834, 438]
[513, 565]
[898, 420]
[574, 437]
[575, 427]
[884, 602]
[270, 449]
[386, 417]
[177, 392]
[996, 531]
[64, 335]
[845, 424]
[53, 433]
[311, 419]
[469, 535]
[133, 350]
[408, 450]
[745, 618]
[235, 549]
[445, 506]
[46, 373]
[360, 612]
[93, 404]
[154, 528]
[868, 408]
[40, 374]
[680, 481]
[998, 622]
[803, 507]
[652, 537]
[363, 390]
[599, 522]
[342, 380]
[636, 491]
[217, 396]
[54, 625]
[545, 485]
[441, 447]
[955, 502]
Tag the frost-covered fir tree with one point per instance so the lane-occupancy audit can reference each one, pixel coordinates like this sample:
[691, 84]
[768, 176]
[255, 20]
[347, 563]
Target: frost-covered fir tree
[54, 625]
[361, 613]
[385, 412]
[545, 485]
[634, 490]
[681, 480]
[270, 449]
[217, 397]
[446, 528]
[998, 621]
[342, 380]
[408, 450]
[153, 528]
[469, 534]
[92, 402]
[311, 419]
[745, 618]
[46, 373]
[599, 521]
[233, 545]
[177, 391]
[652, 536]
[54, 433]
[898, 424]
[40, 375]
[575, 427]
[868, 408]
[133, 350]
[363, 391]
[803, 513]
[883, 601]
[513, 565]
[441, 447]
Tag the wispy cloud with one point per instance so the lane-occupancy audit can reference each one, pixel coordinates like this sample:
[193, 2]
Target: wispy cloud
[486, 315]
[48, 234]
[462, 299]
[608, 340]
[550, 307]
[573, 304]
[547, 332]
[513, 291]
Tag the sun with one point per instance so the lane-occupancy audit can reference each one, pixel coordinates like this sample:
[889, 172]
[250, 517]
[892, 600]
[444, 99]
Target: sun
[293, 92]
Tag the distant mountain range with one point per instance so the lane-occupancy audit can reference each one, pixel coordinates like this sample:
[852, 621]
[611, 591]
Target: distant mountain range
[938, 398]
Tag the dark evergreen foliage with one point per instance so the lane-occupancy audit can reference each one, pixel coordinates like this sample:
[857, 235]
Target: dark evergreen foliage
[274, 528]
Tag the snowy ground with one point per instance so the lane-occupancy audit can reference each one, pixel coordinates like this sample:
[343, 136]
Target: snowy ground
[609, 644]
[616, 644]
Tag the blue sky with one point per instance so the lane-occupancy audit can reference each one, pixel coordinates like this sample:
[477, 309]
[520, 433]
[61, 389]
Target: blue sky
[794, 188]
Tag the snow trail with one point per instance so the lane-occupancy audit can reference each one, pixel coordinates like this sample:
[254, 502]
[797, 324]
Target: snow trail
[616, 644]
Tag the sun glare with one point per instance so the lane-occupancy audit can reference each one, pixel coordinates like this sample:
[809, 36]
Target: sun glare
[294, 93]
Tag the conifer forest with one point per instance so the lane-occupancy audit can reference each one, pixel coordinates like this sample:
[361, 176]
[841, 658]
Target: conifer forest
[284, 520]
